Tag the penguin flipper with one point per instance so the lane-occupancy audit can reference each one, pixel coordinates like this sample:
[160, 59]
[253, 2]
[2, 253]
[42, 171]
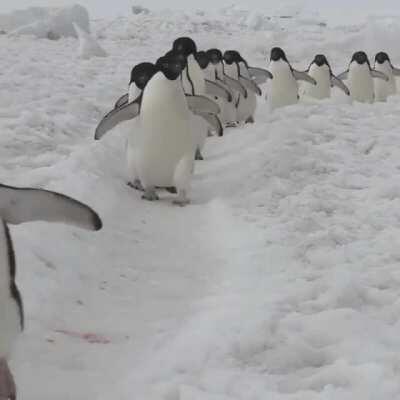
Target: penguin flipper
[250, 85]
[123, 100]
[396, 71]
[214, 122]
[18, 205]
[259, 75]
[218, 90]
[116, 116]
[235, 85]
[335, 81]
[343, 76]
[379, 75]
[202, 104]
[303, 76]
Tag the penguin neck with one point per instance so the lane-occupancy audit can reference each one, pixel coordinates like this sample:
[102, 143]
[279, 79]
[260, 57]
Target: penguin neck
[134, 92]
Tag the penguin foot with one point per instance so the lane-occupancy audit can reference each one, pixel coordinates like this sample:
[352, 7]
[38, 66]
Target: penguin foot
[150, 195]
[198, 156]
[8, 390]
[182, 199]
[250, 120]
[137, 185]
[231, 124]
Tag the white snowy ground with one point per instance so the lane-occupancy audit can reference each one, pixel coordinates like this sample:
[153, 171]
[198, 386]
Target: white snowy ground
[280, 281]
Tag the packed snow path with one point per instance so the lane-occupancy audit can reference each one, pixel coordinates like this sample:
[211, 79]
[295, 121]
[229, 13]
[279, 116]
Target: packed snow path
[281, 280]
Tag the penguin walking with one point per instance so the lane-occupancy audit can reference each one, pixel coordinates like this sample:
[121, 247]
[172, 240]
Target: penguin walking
[321, 71]
[360, 78]
[237, 67]
[19, 205]
[382, 88]
[164, 146]
[217, 69]
[283, 89]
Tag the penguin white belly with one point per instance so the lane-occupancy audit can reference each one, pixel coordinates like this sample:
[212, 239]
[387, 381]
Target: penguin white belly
[322, 75]
[10, 319]
[382, 88]
[165, 137]
[361, 84]
[283, 89]
[193, 78]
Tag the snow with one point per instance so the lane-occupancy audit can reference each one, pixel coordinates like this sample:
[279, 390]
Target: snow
[279, 281]
[52, 23]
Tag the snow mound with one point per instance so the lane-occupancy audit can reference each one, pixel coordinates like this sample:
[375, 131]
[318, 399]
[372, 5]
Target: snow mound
[48, 23]
[88, 46]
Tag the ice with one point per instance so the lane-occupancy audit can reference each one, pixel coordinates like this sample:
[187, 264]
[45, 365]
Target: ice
[280, 281]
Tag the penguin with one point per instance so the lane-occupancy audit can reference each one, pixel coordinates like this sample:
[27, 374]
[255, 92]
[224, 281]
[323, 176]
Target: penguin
[237, 68]
[360, 77]
[283, 88]
[385, 89]
[164, 146]
[321, 71]
[19, 205]
[216, 72]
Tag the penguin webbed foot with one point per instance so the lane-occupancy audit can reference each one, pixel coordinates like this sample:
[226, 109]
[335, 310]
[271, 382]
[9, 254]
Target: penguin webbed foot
[198, 156]
[150, 195]
[136, 184]
[8, 389]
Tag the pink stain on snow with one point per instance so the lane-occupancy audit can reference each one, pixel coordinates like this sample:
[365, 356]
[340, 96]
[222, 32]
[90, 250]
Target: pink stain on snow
[91, 338]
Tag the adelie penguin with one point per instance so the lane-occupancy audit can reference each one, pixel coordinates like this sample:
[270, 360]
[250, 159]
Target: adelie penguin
[237, 67]
[321, 71]
[360, 76]
[194, 83]
[382, 88]
[163, 152]
[19, 205]
[283, 89]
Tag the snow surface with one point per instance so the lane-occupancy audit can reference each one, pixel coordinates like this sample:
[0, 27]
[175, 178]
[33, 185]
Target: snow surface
[280, 281]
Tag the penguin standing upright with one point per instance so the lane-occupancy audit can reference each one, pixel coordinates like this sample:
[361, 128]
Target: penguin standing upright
[360, 78]
[321, 71]
[164, 148]
[236, 67]
[18, 205]
[283, 89]
[382, 88]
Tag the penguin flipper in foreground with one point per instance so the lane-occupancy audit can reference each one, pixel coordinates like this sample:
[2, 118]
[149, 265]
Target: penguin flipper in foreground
[303, 76]
[343, 76]
[202, 104]
[335, 81]
[123, 100]
[250, 85]
[116, 116]
[236, 85]
[216, 89]
[18, 205]
[379, 75]
[259, 75]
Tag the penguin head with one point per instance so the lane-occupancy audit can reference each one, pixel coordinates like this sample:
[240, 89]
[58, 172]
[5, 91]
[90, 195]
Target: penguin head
[142, 73]
[185, 45]
[215, 56]
[320, 60]
[360, 57]
[232, 56]
[171, 65]
[278, 54]
[381, 57]
[202, 59]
